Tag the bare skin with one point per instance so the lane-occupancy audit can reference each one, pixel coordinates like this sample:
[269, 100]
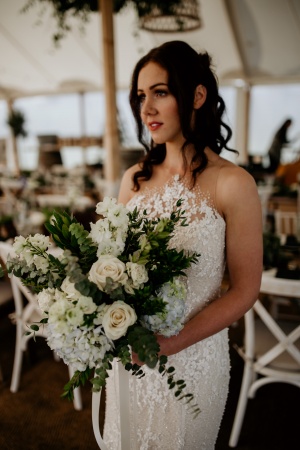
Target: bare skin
[237, 202]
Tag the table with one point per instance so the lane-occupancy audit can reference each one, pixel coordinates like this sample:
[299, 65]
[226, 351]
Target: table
[78, 203]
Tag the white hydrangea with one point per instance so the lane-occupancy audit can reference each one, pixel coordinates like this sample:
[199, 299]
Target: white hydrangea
[74, 342]
[169, 322]
[82, 347]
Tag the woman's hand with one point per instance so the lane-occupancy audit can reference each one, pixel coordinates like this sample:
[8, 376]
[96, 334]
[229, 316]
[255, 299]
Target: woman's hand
[135, 359]
[167, 348]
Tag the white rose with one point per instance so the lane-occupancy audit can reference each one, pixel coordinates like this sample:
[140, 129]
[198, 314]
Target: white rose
[117, 318]
[108, 266]
[138, 273]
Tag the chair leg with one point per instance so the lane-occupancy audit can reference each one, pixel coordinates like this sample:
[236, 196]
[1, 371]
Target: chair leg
[241, 406]
[18, 358]
[56, 357]
[77, 401]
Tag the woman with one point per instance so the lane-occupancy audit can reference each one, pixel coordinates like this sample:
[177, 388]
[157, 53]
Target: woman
[174, 98]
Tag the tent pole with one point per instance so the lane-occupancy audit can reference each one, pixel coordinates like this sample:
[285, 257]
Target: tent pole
[242, 122]
[111, 137]
[13, 141]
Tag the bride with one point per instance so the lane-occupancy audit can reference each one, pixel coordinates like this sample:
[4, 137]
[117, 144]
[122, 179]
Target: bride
[174, 98]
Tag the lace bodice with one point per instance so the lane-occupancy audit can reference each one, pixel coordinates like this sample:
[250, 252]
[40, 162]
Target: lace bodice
[205, 235]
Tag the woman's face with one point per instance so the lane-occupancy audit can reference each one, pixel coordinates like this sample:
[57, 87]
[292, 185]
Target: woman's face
[159, 109]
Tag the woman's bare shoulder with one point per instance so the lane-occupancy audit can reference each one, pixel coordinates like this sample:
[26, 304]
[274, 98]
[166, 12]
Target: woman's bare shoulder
[236, 186]
[126, 191]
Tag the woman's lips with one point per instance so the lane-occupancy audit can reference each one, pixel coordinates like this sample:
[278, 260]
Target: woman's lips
[153, 126]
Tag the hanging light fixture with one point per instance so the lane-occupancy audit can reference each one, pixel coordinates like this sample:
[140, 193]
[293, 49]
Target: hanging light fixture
[171, 16]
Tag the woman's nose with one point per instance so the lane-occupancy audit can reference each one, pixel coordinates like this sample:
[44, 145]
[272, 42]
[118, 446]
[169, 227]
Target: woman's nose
[148, 107]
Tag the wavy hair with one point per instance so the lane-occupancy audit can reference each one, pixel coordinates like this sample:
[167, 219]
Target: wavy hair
[186, 70]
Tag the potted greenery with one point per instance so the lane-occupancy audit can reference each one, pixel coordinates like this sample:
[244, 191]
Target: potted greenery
[16, 122]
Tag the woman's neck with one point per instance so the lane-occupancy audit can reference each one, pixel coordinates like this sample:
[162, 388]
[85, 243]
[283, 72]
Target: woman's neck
[174, 162]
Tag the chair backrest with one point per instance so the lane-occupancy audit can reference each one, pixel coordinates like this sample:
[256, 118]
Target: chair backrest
[277, 345]
[273, 344]
[286, 222]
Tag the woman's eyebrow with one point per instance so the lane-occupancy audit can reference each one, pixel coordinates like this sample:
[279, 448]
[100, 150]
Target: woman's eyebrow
[154, 86]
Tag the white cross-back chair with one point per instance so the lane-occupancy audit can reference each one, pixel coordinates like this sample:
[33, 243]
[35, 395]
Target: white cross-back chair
[271, 349]
[24, 316]
[286, 222]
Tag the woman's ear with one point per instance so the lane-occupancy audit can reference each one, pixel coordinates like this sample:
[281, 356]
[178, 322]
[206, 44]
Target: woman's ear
[200, 96]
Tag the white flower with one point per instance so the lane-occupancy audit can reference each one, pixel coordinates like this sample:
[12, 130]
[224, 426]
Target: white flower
[19, 244]
[57, 310]
[110, 239]
[40, 241]
[170, 321]
[86, 304]
[117, 318]
[45, 299]
[41, 263]
[69, 288]
[138, 273]
[109, 248]
[100, 231]
[75, 316]
[118, 217]
[108, 266]
[129, 286]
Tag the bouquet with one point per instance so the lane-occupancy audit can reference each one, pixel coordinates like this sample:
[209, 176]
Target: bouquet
[109, 291]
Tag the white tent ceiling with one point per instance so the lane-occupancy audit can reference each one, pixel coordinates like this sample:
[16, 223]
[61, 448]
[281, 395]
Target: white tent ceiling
[253, 40]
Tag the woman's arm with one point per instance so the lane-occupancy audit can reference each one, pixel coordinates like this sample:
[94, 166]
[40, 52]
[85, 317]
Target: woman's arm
[239, 202]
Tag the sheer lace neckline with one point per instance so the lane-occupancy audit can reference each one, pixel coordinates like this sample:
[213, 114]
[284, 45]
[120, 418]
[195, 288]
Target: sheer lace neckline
[174, 189]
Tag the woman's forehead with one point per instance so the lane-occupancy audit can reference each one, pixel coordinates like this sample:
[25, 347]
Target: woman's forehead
[152, 73]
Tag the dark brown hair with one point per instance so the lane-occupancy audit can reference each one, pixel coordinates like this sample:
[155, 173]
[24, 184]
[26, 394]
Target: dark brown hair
[186, 70]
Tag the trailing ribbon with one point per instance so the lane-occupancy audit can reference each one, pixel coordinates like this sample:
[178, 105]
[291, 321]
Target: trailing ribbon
[124, 411]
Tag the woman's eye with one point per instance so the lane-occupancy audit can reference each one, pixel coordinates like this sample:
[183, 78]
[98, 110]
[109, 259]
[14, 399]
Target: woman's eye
[161, 93]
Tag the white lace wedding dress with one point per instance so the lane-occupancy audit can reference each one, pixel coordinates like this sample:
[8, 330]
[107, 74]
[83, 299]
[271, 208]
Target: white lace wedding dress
[158, 420]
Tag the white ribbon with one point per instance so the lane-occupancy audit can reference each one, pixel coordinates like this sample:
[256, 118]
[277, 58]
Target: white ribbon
[96, 398]
[124, 411]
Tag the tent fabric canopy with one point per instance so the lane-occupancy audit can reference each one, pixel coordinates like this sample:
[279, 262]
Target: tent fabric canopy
[250, 41]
